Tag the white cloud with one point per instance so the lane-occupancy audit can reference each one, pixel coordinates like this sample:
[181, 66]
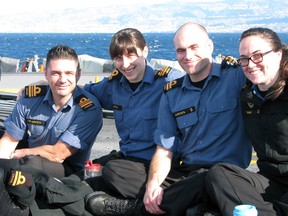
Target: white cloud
[23, 6]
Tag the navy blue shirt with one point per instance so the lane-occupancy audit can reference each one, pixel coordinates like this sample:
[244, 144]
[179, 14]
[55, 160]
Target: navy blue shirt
[135, 112]
[76, 124]
[205, 125]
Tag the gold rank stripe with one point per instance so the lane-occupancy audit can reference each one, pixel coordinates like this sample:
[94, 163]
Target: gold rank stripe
[164, 71]
[34, 90]
[114, 74]
[30, 91]
[18, 179]
[85, 103]
[169, 85]
[231, 59]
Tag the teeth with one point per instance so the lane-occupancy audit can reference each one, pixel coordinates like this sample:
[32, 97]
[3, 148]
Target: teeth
[129, 71]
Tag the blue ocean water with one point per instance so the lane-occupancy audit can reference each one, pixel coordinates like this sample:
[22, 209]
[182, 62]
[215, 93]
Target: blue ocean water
[26, 45]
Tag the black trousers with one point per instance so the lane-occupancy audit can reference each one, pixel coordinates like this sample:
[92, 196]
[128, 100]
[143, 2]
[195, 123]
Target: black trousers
[229, 185]
[183, 188]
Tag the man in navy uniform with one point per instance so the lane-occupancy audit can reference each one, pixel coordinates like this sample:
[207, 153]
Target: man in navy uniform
[60, 120]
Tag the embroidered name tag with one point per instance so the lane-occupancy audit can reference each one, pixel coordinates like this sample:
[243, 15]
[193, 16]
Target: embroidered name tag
[184, 112]
[252, 112]
[35, 122]
[116, 107]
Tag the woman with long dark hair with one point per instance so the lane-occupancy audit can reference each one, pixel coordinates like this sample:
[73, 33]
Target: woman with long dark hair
[264, 59]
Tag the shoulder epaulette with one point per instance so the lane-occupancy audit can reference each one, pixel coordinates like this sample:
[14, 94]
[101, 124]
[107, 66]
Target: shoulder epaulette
[83, 102]
[116, 74]
[173, 84]
[229, 60]
[163, 72]
[35, 91]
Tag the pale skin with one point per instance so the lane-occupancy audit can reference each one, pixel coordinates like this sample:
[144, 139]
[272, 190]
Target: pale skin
[265, 73]
[132, 65]
[62, 76]
[194, 53]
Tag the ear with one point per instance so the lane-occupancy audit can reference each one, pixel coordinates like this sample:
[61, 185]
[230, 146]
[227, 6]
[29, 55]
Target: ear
[45, 72]
[280, 53]
[78, 75]
[211, 45]
[145, 51]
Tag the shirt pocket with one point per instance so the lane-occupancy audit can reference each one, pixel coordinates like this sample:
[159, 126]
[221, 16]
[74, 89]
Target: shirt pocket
[186, 122]
[223, 117]
[149, 122]
[35, 127]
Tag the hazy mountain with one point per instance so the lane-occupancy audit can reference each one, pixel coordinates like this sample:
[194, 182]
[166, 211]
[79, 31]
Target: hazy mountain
[217, 16]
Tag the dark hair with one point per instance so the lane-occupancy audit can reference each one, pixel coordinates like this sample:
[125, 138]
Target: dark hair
[276, 44]
[126, 40]
[62, 52]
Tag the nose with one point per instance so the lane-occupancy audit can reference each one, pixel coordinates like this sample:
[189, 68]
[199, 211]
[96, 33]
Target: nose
[126, 62]
[189, 54]
[62, 78]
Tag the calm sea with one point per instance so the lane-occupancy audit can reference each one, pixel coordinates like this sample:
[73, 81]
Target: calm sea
[22, 46]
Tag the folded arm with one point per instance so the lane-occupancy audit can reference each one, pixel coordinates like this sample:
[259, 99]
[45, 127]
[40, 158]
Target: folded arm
[55, 153]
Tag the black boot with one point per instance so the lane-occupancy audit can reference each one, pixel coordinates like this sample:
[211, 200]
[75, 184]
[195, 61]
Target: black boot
[7, 206]
[100, 203]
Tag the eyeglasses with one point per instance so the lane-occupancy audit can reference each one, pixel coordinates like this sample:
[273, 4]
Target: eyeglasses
[255, 58]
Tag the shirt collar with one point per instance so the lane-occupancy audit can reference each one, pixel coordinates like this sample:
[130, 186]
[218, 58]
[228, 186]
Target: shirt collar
[214, 72]
[49, 98]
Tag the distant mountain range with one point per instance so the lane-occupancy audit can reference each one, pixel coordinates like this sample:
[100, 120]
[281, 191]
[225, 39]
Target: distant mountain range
[216, 16]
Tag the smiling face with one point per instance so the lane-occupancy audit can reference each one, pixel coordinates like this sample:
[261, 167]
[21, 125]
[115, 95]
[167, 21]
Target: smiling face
[128, 50]
[62, 76]
[132, 65]
[265, 73]
[194, 51]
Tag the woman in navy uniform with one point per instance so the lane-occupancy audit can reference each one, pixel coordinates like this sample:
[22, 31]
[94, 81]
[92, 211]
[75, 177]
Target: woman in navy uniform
[264, 59]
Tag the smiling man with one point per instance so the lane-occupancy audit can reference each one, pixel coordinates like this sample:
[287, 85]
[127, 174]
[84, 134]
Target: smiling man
[58, 121]
[200, 123]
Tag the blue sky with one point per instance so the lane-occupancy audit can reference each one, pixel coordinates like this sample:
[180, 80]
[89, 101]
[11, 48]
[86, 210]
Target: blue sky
[149, 15]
